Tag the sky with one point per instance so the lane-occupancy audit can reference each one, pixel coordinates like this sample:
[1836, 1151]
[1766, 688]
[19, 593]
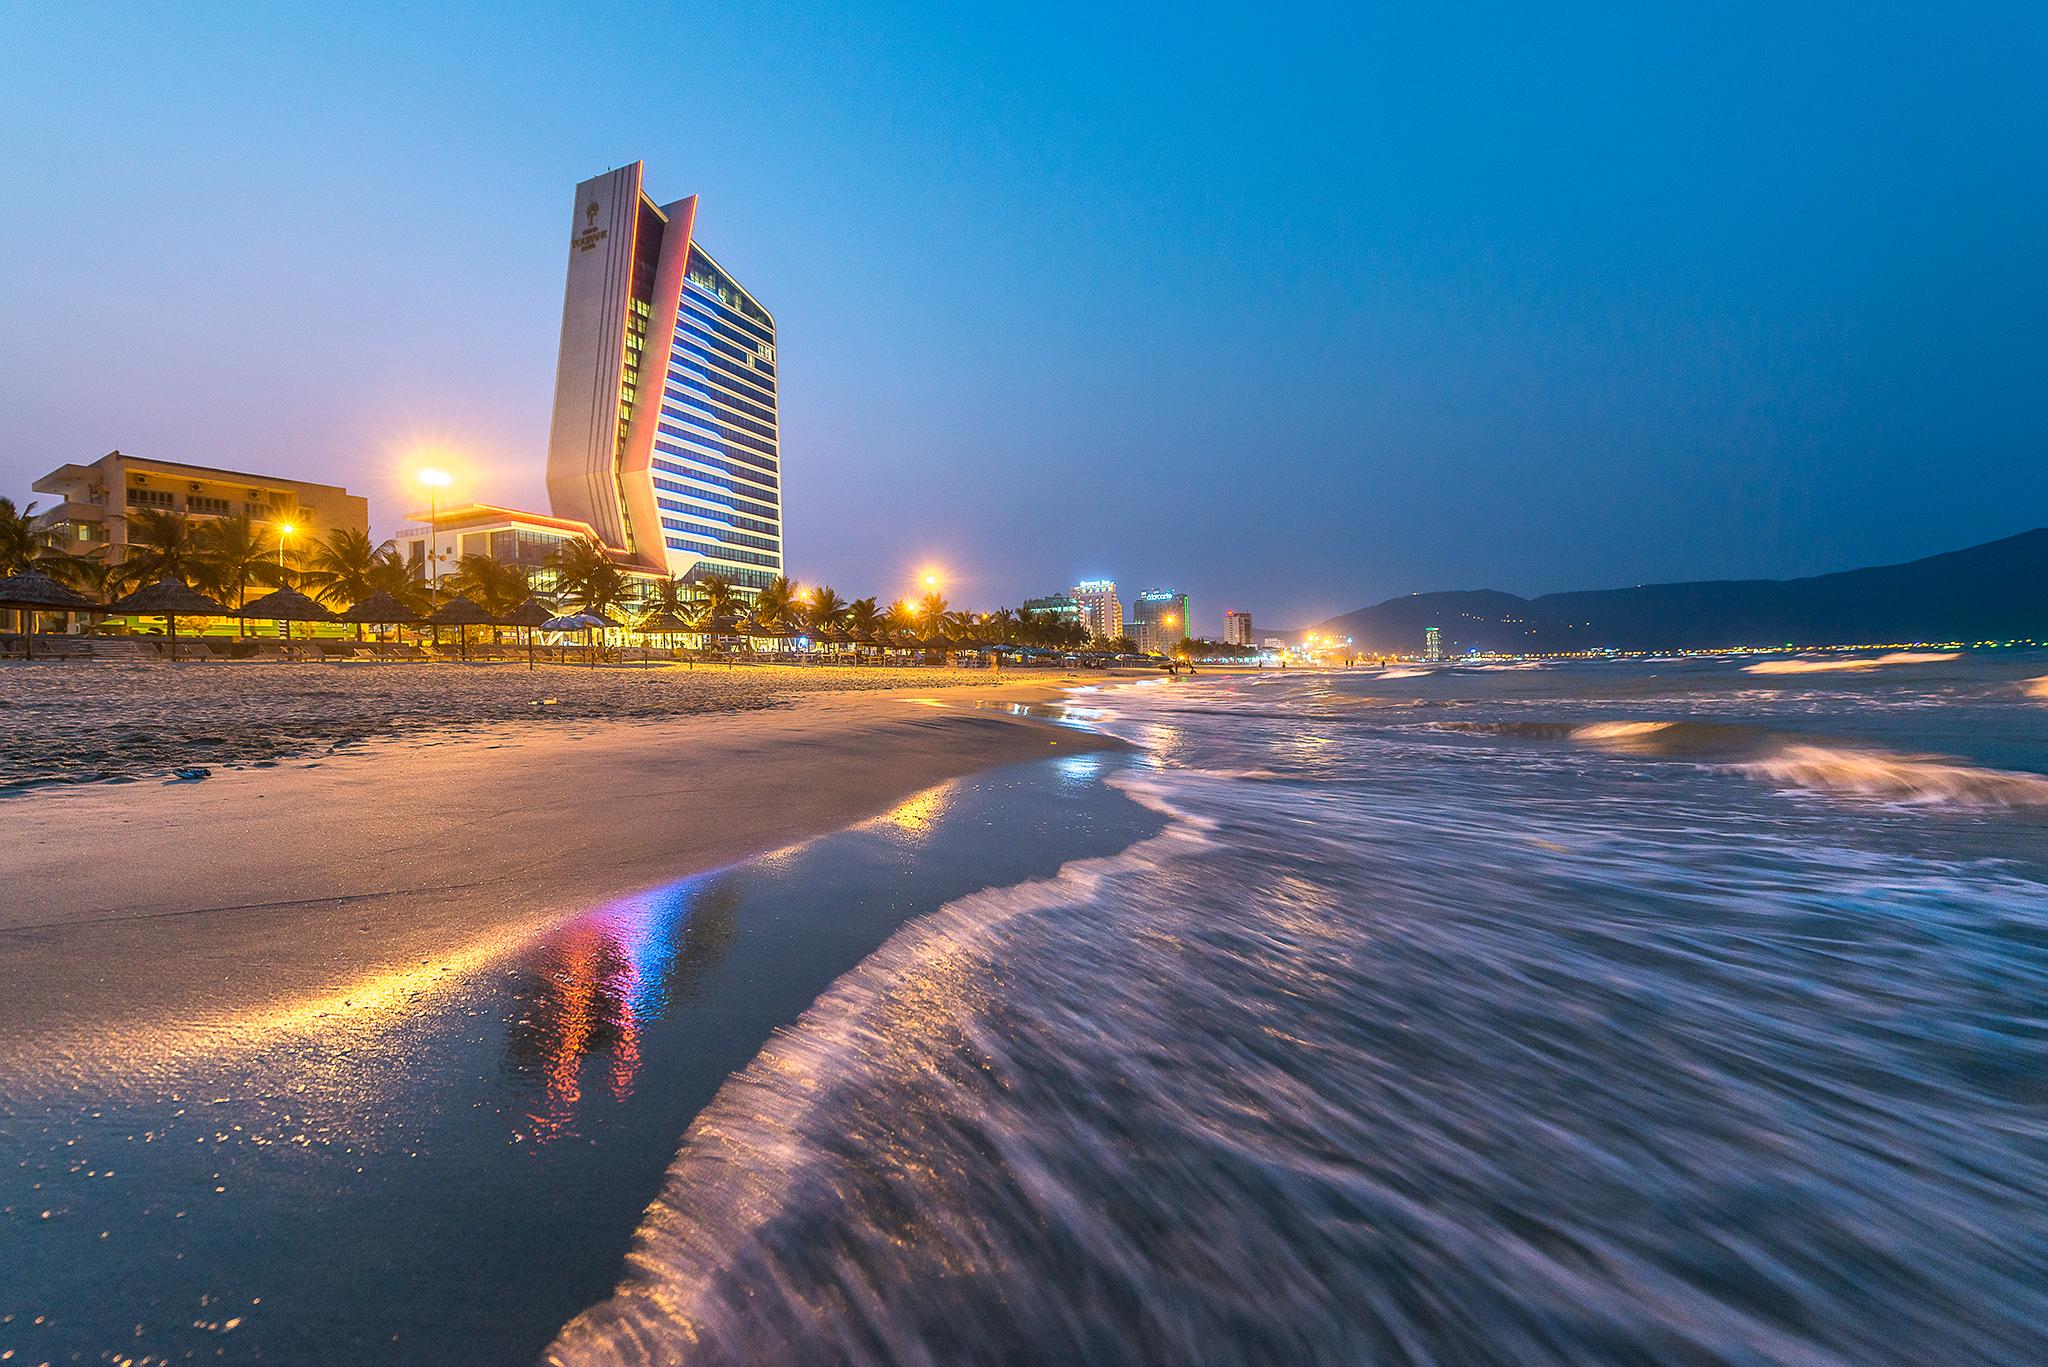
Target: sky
[1291, 315]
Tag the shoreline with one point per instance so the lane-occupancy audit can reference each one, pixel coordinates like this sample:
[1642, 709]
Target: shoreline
[480, 1141]
[169, 918]
[123, 723]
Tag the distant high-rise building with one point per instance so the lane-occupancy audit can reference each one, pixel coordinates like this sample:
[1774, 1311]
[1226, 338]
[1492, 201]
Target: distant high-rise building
[1159, 619]
[1432, 644]
[1100, 609]
[1237, 628]
[665, 438]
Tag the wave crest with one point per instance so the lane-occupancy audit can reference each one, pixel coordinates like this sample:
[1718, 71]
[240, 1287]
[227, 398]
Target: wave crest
[705, 1273]
[1812, 666]
[1898, 778]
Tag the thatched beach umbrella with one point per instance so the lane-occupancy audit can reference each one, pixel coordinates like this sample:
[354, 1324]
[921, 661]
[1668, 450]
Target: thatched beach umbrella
[662, 622]
[169, 599]
[379, 609]
[528, 615]
[462, 613]
[284, 607]
[30, 593]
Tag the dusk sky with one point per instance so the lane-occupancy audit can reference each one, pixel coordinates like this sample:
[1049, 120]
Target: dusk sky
[1294, 316]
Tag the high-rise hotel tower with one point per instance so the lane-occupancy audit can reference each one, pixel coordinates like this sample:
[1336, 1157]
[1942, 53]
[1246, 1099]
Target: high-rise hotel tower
[665, 433]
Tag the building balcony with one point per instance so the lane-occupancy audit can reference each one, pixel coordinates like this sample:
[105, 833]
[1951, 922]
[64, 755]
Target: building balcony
[71, 510]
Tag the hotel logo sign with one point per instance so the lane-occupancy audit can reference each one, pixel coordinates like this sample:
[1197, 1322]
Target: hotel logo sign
[591, 234]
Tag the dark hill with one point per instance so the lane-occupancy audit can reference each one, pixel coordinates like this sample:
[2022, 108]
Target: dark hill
[1994, 592]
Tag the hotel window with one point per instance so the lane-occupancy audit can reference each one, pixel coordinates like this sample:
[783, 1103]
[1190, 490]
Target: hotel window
[149, 498]
[200, 503]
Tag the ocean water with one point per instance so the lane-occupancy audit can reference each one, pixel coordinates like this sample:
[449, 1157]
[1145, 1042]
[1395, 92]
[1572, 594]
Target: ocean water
[1680, 1011]
[448, 1165]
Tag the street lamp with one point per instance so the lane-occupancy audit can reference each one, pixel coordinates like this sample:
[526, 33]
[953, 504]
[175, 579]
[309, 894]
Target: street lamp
[284, 529]
[434, 480]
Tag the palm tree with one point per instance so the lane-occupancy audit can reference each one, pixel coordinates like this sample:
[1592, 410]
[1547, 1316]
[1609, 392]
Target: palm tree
[26, 546]
[233, 553]
[161, 545]
[497, 586]
[670, 595]
[776, 605]
[716, 598]
[22, 543]
[825, 610]
[864, 618]
[1002, 625]
[389, 573]
[901, 619]
[340, 567]
[586, 574]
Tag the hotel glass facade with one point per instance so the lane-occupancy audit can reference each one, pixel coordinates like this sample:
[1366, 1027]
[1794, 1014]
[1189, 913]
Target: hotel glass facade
[666, 431]
[1159, 619]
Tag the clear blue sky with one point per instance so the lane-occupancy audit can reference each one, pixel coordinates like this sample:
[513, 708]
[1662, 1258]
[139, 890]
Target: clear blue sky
[1292, 312]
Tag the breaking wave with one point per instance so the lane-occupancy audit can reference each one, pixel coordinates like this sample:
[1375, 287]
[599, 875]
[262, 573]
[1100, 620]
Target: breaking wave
[1508, 1055]
[1898, 778]
[1859, 662]
[812, 1124]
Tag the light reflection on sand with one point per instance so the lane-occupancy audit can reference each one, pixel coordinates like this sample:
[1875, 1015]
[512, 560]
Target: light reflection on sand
[337, 1058]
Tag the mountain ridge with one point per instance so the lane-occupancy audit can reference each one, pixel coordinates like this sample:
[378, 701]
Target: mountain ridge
[1990, 592]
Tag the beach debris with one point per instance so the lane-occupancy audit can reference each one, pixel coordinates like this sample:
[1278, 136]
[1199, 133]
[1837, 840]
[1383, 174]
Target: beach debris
[544, 702]
[191, 774]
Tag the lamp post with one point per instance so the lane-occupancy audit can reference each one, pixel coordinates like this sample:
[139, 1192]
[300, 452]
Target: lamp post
[434, 480]
[284, 529]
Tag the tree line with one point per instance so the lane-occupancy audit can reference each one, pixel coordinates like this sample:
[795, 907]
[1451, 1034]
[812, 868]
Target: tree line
[230, 556]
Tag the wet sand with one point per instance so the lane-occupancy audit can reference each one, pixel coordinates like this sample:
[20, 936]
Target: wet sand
[188, 911]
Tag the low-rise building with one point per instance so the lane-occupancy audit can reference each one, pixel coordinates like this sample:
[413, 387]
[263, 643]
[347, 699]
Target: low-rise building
[434, 543]
[1058, 607]
[95, 500]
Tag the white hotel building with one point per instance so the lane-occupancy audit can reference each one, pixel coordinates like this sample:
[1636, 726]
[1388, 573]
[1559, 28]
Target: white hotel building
[665, 440]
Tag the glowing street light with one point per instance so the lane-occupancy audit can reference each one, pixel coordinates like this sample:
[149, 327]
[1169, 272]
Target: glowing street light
[434, 480]
[284, 529]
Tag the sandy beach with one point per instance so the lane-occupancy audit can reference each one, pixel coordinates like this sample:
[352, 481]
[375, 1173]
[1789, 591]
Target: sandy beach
[341, 866]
